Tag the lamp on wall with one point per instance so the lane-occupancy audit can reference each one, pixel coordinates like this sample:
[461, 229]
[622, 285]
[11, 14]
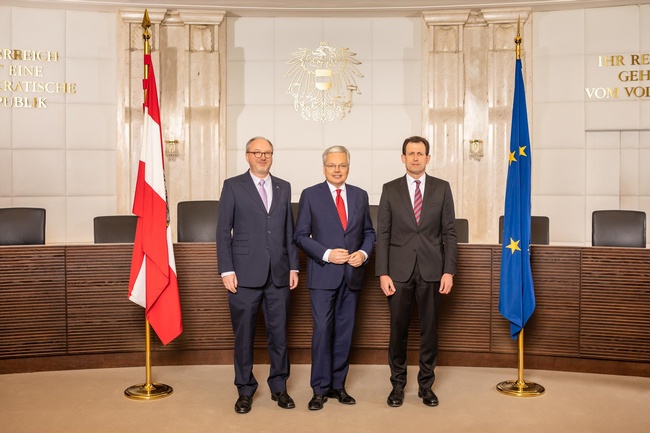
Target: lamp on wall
[172, 149]
[323, 81]
[475, 149]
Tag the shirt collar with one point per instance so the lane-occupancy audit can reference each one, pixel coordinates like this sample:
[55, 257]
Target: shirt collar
[410, 179]
[333, 188]
[256, 180]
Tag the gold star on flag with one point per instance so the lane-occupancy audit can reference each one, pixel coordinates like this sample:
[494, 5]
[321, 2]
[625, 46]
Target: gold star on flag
[512, 158]
[522, 151]
[514, 246]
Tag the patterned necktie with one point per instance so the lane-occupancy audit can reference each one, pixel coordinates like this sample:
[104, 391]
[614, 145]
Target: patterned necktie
[262, 191]
[417, 202]
[340, 208]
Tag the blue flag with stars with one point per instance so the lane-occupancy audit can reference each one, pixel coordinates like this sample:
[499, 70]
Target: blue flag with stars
[517, 296]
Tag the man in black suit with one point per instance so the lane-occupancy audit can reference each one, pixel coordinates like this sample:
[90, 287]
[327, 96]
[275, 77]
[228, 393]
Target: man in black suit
[334, 229]
[415, 260]
[258, 263]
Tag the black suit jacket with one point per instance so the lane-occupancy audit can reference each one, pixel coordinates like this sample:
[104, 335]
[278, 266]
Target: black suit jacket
[400, 240]
[251, 241]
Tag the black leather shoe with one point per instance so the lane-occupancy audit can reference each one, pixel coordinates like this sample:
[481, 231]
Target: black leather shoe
[317, 402]
[428, 397]
[396, 397]
[283, 399]
[341, 395]
[244, 404]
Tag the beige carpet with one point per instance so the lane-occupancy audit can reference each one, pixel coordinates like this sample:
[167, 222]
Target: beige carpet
[92, 401]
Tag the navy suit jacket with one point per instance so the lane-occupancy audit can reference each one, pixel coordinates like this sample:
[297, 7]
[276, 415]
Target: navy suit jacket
[251, 241]
[400, 240]
[318, 228]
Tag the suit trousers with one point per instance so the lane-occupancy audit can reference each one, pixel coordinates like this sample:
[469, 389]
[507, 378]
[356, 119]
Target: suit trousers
[244, 306]
[334, 314]
[401, 306]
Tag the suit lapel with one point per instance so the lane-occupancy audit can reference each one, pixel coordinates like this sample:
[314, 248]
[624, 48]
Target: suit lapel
[427, 198]
[277, 195]
[406, 197]
[352, 200]
[251, 189]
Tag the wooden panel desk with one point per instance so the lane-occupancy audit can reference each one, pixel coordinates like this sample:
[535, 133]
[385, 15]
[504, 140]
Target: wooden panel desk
[66, 307]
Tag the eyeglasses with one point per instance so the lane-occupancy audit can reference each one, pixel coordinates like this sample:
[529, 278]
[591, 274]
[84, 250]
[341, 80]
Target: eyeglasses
[258, 155]
[337, 166]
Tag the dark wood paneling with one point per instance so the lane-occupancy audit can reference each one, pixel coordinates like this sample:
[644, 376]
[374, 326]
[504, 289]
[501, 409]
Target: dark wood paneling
[32, 301]
[204, 301]
[553, 329]
[101, 318]
[615, 298]
[67, 307]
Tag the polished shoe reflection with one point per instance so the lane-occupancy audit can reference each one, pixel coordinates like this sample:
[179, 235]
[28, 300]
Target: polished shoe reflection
[283, 399]
[396, 397]
[244, 404]
[428, 397]
[317, 402]
[341, 395]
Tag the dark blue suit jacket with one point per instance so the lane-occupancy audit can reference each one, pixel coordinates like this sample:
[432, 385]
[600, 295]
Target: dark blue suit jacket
[319, 228]
[250, 241]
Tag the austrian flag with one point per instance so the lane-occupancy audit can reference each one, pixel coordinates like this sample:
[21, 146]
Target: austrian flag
[153, 283]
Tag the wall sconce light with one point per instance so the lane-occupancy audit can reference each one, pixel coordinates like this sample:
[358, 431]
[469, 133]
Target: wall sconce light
[475, 149]
[322, 82]
[171, 149]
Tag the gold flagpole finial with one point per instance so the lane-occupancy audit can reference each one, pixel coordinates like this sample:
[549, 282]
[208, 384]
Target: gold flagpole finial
[146, 23]
[518, 38]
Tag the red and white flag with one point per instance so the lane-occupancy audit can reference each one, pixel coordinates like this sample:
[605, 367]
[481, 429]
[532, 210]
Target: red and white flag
[153, 283]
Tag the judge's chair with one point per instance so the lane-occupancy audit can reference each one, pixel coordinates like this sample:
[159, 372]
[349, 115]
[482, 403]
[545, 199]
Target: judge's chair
[462, 230]
[539, 230]
[22, 226]
[618, 228]
[111, 229]
[197, 221]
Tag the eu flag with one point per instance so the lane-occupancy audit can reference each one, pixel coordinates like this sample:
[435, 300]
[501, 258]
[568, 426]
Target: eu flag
[517, 296]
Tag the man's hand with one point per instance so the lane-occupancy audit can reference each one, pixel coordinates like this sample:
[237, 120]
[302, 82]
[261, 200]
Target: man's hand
[386, 284]
[339, 256]
[356, 259]
[446, 282]
[293, 280]
[230, 281]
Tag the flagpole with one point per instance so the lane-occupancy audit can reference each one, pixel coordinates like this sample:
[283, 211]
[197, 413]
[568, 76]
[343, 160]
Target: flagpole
[148, 390]
[519, 387]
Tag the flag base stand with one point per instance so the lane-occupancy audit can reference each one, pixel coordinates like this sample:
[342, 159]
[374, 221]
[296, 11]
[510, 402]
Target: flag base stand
[520, 389]
[149, 391]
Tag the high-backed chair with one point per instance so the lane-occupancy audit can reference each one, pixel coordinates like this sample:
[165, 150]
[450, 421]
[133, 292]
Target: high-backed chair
[197, 221]
[110, 229]
[539, 230]
[294, 210]
[618, 228]
[462, 230]
[373, 214]
[22, 226]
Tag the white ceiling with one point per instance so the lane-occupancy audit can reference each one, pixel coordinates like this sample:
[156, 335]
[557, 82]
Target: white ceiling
[317, 7]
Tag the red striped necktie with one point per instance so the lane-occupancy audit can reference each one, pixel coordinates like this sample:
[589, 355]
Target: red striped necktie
[417, 202]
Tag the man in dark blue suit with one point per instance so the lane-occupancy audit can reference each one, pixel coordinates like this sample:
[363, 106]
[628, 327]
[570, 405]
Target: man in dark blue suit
[258, 263]
[334, 229]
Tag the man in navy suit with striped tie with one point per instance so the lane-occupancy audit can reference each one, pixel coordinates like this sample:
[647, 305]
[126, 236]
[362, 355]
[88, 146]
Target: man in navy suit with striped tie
[334, 229]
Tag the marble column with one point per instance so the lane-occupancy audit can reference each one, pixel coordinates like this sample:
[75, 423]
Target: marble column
[187, 61]
[469, 81]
